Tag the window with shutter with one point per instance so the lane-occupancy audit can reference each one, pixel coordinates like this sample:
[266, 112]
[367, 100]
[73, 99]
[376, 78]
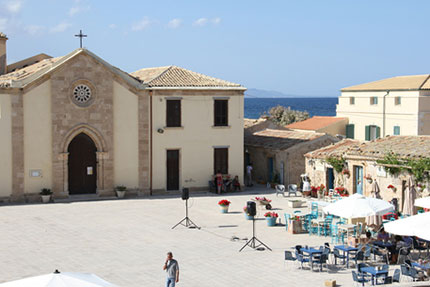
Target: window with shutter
[396, 131]
[350, 131]
[221, 160]
[173, 113]
[367, 133]
[221, 113]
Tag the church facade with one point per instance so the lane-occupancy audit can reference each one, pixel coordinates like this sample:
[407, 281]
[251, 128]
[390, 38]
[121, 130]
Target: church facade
[78, 125]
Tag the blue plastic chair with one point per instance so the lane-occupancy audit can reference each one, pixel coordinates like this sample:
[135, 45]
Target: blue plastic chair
[360, 278]
[287, 217]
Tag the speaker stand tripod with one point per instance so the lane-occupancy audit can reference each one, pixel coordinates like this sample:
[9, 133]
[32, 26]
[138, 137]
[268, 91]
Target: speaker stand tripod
[187, 222]
[252, 242]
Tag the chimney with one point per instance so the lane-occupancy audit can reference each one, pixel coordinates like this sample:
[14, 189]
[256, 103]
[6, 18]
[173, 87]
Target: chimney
[3, 62]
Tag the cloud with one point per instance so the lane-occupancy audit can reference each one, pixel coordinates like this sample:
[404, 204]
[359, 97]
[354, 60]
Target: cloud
[216, 20]
[78, 9]
[174, 23]
[63, 26]
[200, 22]
[13, 6]
[142, 24]
[34, 29]
[112, 26]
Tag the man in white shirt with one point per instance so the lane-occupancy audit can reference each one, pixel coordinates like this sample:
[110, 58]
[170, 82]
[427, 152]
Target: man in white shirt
[249, 174]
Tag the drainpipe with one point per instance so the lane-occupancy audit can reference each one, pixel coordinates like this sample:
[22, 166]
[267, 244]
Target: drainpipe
[150, 143]
[383, 114]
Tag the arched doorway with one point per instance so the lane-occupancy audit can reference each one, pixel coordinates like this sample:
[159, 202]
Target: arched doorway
[82, 165]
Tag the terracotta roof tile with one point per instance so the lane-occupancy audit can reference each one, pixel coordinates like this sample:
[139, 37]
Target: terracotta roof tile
[173, 76]
[279, 139]
[415, 82]
[315, 123]
[338, 149]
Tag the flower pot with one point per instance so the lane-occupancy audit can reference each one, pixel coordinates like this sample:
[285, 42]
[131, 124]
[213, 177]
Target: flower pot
[369, 180]
[295, 203]
[46, 198]
[306, 193]
[248, 217]
[419, 189]
[271, 221]
[120, 193]
[224, 208]
[294, 226]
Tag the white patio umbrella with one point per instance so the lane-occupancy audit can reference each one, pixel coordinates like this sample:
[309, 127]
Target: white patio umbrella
[416, 225]
[374, 220]
[57, 279]
[423, 202]
[410, 195]
[357, 205]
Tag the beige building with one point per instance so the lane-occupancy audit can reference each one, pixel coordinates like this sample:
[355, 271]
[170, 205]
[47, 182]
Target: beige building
[77, 124]
[362, 166]
[280, 153]
[321, 124]
[394, 106]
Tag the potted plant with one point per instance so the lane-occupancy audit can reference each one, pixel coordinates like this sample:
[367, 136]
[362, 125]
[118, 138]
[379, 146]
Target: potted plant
[247, 216]
[345, 172]
[271, 218]
[314, 191]
[320, 191]
[392, 187]
[368, 177]
[120, 191]
[341, 191]
[224, 204]
[45, 193]
[419, 187]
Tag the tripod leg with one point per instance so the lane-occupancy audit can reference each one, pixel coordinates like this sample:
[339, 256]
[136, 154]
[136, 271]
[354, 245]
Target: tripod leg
[190, 223]
[180, 222]
[261, 243]
[246, 244]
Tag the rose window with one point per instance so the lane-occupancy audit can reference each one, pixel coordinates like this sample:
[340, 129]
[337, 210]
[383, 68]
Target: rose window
[82, 94]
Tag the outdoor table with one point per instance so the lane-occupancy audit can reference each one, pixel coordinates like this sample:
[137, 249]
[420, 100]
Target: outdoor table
[311, 252]
[382, 244]
[346, 249]
[421, 266]
[374, 272]
[346, 227]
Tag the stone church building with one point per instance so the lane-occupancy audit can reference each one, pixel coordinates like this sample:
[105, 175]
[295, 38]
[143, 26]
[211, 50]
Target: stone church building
[78, 125]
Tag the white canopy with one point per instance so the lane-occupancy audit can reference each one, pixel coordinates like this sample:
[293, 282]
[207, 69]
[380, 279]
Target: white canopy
[66, 279]
[357, 205]
[423, 202]
[416, 225]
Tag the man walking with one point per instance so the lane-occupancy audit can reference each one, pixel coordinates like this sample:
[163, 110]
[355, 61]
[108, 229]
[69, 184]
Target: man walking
[249, 174]
[172, 268]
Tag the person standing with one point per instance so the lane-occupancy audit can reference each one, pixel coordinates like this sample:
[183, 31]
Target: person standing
[249, 174]
[219, 181]
[172, 269]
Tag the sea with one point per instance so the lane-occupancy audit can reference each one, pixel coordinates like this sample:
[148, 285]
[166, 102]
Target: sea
[255, 107]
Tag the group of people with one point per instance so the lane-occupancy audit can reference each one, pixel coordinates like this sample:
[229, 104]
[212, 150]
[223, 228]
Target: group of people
[226, 184]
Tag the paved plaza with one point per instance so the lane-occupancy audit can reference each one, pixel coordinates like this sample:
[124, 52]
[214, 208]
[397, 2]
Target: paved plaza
[125, 242]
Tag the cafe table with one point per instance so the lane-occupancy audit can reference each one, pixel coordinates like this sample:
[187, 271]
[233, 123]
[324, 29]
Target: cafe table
[346, 250]
[375, 273]
[311, 252]
[422, 266]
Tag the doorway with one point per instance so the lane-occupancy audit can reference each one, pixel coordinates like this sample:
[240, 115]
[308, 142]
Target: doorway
[173, 169]
[270, 169]
[82, 165]
[358, 179]
[330, 178]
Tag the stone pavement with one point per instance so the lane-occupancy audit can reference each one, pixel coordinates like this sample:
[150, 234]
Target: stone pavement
[125, 242]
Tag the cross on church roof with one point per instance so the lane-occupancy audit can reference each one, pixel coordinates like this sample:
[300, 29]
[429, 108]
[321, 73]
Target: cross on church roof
[80, 35]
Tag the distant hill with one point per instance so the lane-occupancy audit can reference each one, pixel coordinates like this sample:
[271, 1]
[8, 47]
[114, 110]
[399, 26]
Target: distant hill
[257, 93]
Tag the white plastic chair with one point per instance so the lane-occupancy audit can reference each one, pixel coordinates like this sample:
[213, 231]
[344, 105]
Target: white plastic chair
[280, 189]
[292, 188]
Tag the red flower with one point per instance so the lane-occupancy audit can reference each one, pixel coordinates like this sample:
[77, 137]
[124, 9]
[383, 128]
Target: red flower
[263, 199]
[224, 202]
[271, 214]
[390, 186]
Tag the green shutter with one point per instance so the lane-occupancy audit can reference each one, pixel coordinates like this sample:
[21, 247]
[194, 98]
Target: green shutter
[396, 131]
[350, 131]
[367, 133]
[378, 132]
[376, 100]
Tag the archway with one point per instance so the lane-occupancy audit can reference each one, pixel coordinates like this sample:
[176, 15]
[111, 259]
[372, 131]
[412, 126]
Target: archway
[82, 165]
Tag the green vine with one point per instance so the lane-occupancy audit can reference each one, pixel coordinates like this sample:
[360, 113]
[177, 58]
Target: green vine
[419, 168]
[337, 163]
[392, 163]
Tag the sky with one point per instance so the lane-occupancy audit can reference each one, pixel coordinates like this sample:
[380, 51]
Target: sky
[303, 48]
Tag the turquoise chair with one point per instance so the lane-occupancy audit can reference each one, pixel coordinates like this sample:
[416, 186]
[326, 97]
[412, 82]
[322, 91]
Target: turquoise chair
[287, 217]
[421, 211]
